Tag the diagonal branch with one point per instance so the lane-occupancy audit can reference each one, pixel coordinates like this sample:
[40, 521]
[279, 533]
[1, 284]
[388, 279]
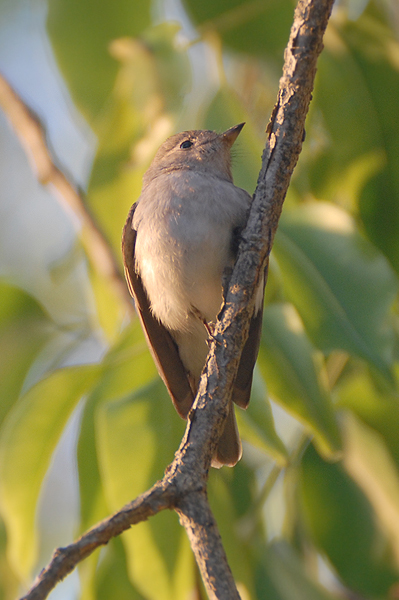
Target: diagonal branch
[33, 137]
[183, 487]
[64, 560]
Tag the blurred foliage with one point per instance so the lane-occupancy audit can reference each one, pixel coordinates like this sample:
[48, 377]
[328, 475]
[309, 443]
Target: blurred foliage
[311, 511]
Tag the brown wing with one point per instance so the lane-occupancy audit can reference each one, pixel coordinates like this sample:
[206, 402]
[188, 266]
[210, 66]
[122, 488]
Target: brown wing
[161, 343]
[243, 382]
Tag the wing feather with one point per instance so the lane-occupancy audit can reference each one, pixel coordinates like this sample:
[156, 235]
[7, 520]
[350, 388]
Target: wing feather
[161, 343]
[243, 382]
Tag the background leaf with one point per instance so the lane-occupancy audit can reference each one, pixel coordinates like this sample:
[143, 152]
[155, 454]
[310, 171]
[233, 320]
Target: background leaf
[258, 28]
[256, 423]
[343, 527]
[284, 568]
[28, 438]
[342, 288]
[125, 369]
[24, 328]
[133, 434]
[81, 33]
[294, 372]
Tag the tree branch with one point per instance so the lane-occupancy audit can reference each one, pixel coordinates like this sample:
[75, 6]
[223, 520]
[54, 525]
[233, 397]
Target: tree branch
[64, 560]
[33, 137]
[183, 487]
[202, 531]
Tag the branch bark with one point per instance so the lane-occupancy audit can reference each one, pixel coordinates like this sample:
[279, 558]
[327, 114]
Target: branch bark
[183, 487]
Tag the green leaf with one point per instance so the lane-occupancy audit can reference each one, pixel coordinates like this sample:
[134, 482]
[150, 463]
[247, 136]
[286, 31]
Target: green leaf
[260, 28]
[370, 463]
[284, 576]
[136, 430]
[93, 506]
[28, 438]
[343, 131]
[24, 328]
[342, 287]
[171, 64]
[294, 373]
[342, 524]
[110, 311]
[9, 583]
[81, 33]
[351, 153]
[359, 68]
[127, 366]
[378, 408]
[112, 579]
[256, 423]
[137, 437]
[374, 47]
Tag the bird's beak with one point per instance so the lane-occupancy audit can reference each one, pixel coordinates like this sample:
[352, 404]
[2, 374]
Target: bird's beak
[231, 134]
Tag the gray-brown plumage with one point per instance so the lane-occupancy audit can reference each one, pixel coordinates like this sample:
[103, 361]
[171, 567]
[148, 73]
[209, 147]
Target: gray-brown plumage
[179, 240]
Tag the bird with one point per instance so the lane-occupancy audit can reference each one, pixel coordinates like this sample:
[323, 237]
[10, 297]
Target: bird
[179, 245]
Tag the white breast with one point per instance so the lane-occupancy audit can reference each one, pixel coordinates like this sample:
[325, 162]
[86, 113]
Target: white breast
[184, 225]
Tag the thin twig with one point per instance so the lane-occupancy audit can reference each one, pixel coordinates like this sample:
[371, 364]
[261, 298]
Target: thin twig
[184, 486]
[33, 137]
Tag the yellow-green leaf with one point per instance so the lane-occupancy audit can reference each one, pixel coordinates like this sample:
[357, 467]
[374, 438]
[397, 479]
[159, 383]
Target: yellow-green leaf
[342, 287]
[137, 437]
[28, 438]
[293, 371]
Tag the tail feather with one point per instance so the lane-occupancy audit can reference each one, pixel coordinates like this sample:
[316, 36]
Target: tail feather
[229, 449]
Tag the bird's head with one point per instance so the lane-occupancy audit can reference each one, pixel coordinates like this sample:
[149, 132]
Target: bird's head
[200, 150]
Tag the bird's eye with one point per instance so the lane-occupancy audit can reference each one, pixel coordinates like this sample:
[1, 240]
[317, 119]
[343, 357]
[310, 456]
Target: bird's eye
[186, 144]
